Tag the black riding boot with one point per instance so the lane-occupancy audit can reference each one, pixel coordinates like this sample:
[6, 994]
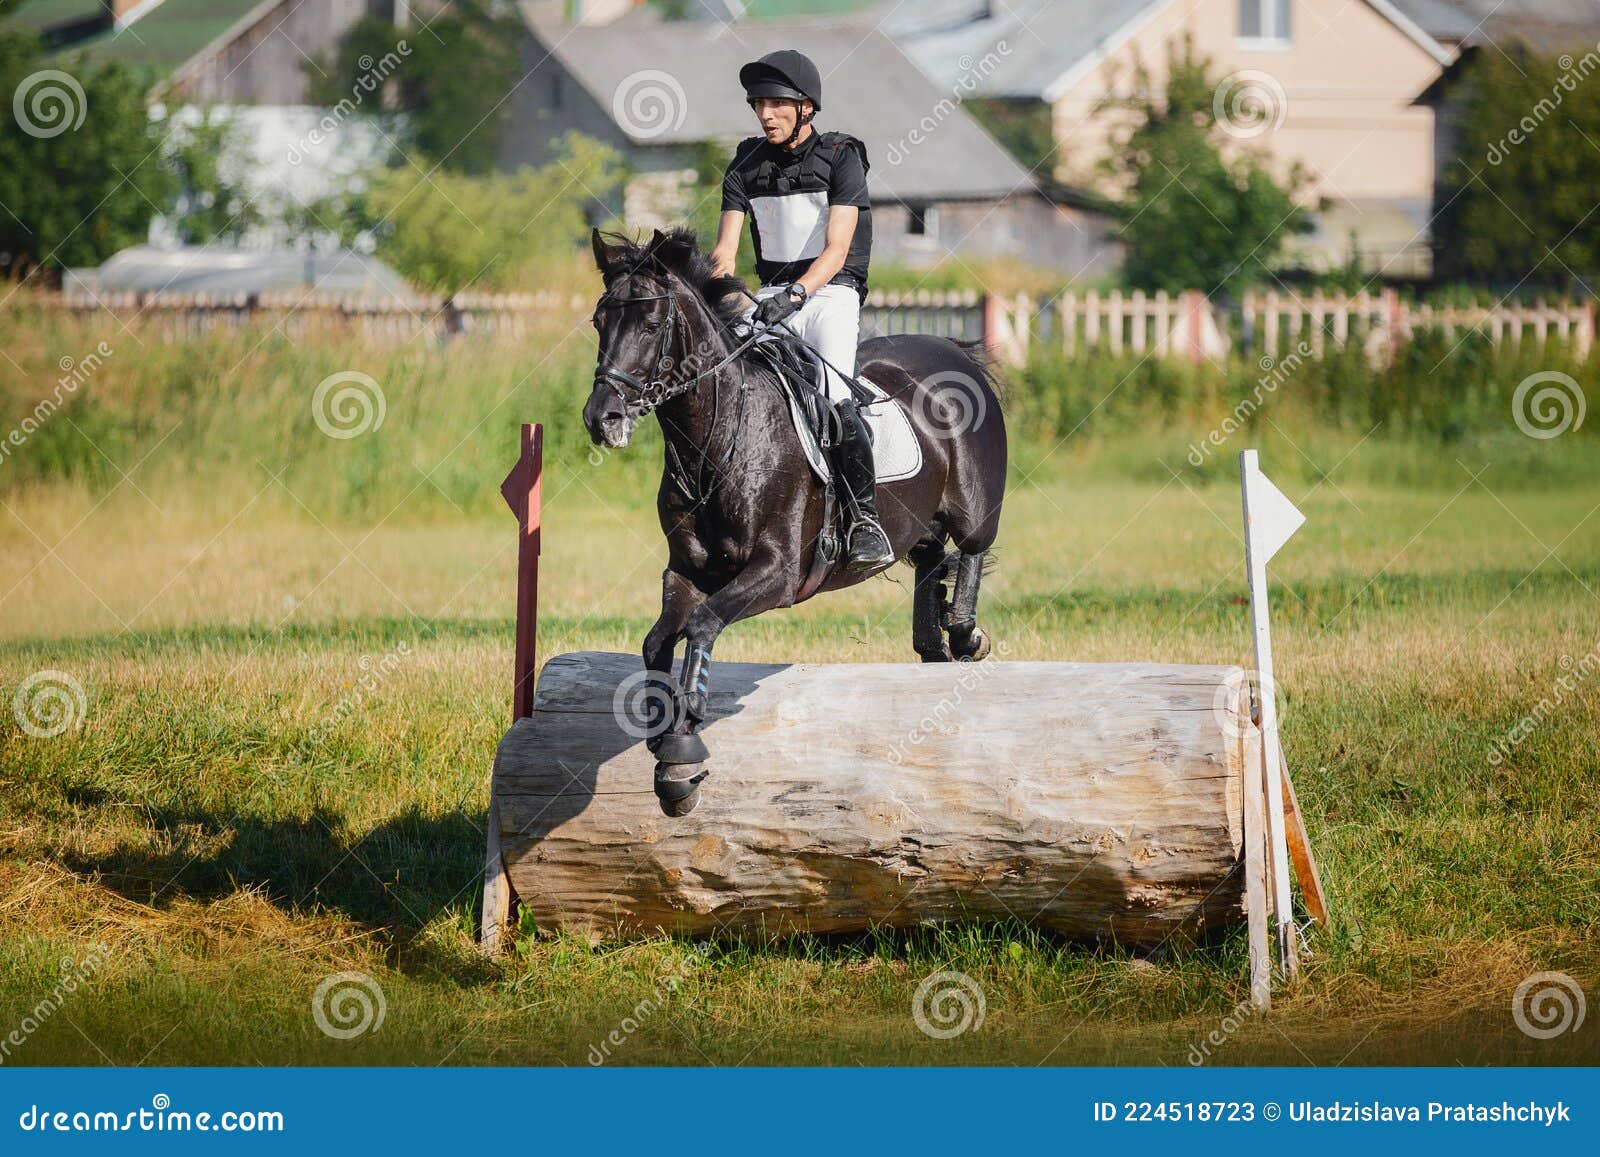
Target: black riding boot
[869, 545]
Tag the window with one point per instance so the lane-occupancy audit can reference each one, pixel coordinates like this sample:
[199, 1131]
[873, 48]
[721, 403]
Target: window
[1264, 24]
[922, 221]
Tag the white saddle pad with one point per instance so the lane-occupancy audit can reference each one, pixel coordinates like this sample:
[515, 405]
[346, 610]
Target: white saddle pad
[896, 453]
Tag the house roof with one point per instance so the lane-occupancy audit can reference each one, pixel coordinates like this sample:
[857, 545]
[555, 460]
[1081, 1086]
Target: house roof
[222, 269]
[922, 144]
[1041, 48]
[1549, 25]
[160, 40]
[41, 14]
[1444, 20]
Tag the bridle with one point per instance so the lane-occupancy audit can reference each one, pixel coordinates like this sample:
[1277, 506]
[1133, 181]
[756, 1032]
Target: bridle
[648, 396]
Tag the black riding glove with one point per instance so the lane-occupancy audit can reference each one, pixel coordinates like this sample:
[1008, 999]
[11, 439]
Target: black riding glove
[772, 310]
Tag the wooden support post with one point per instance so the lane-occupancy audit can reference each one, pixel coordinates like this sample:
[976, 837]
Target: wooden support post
[523, 490]
[1305, 863]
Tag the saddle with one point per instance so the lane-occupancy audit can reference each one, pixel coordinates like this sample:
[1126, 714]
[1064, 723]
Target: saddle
[896, 452]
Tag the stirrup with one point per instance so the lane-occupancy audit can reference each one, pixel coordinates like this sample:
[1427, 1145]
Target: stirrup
[882, 552]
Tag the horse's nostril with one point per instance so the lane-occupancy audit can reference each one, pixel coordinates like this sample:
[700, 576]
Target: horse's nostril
[612, 416]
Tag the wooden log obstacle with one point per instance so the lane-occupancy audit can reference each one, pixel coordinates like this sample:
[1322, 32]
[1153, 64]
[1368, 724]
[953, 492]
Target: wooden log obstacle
[1102, 801]
[1137, 803]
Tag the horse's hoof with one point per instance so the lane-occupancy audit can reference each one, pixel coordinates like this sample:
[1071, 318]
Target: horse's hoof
[677, 809]
[976, 646]
[678, 787]
[940, 656]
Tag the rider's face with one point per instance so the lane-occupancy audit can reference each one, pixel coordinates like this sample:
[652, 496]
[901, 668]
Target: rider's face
[777, 116]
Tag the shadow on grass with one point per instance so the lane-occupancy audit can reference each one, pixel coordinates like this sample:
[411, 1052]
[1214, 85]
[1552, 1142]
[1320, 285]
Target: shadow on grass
[394, 880]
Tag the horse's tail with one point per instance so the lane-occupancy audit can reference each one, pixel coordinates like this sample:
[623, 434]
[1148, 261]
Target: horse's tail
[988, 368]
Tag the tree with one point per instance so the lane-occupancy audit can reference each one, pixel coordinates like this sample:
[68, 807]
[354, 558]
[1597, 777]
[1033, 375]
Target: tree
[81, 173]
[1516, 203]
[449, 231]
[213, 202]
[451, 82]
[1194, 218]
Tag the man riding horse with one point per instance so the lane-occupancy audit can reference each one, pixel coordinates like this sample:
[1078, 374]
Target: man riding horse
[749, 527]
[805, 193]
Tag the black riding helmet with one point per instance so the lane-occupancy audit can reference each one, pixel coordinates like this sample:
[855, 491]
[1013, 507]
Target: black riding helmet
[787, 75]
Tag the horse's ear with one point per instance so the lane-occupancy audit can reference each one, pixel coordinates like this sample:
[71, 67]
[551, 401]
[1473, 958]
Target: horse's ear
[672, 250]
[605, 256]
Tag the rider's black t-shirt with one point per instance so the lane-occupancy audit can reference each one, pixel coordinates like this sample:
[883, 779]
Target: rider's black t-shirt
[790, 226]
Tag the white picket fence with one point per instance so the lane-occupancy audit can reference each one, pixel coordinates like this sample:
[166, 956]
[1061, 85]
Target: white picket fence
[1012, 327]
[1188, 325]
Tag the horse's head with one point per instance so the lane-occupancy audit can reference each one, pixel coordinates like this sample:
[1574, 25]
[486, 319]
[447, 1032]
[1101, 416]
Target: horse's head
[652, 321]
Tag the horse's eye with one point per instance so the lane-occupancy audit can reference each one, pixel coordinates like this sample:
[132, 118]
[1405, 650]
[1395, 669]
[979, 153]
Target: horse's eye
[652, 327]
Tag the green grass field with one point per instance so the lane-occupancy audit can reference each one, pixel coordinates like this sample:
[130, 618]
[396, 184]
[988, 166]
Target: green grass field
[295, 652]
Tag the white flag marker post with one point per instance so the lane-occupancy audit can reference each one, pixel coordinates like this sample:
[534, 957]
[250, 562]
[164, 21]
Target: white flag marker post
[1269, 521]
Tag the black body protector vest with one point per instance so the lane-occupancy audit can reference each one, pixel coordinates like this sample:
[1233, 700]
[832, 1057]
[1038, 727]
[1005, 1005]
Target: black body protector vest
[788, 197]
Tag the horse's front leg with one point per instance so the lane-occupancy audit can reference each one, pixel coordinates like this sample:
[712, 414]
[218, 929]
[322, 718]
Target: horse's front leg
[681, 754]
[679, 598]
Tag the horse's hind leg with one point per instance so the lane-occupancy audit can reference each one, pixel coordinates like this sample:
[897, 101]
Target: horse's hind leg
[967, 639]
[927, 602]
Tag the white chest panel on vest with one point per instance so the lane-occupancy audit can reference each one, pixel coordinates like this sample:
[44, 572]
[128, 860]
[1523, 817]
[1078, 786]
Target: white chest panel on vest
[791, 227]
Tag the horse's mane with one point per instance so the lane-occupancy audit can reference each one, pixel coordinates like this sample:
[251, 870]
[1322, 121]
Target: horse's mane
[675, 251]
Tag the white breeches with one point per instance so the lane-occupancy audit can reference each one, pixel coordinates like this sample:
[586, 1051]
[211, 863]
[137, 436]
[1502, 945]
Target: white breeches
[831, 321]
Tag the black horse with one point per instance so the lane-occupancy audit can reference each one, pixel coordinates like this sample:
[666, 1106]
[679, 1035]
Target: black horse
[739, 506]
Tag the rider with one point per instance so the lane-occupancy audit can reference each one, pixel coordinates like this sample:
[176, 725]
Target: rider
[806, 194]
